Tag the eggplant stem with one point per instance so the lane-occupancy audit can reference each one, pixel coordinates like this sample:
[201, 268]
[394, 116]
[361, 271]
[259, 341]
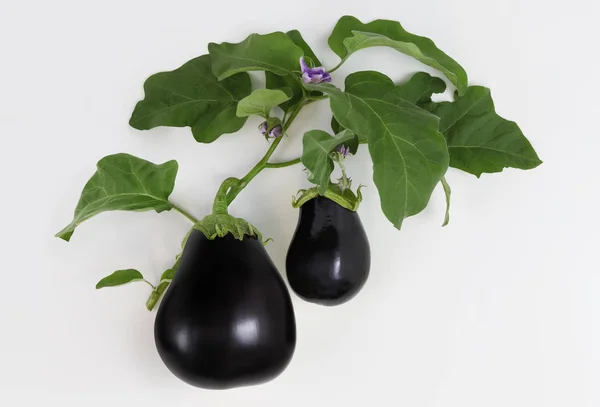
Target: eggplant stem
[220, 204]
[264, 162]
[283, 164]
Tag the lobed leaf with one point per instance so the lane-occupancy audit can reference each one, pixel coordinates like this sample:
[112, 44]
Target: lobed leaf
[479, 140]
[124, 182]
[275, 52]
[409, 154]
[418, 89]
[351, 35]
[192, 96]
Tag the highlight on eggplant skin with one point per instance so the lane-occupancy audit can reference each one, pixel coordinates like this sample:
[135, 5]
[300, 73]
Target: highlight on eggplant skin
[329, 258]
[227, 319]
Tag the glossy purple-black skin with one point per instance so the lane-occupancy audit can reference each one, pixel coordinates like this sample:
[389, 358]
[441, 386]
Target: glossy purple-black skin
[227, 318]
[329, 258]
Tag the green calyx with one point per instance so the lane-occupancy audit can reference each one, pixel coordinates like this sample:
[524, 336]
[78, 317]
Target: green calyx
[346, 198]
[220, 222]
[219, 225]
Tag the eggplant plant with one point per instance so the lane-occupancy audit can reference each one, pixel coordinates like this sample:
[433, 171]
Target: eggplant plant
[226, 319]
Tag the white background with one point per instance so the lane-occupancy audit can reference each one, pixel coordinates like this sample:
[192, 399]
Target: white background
[500, 308]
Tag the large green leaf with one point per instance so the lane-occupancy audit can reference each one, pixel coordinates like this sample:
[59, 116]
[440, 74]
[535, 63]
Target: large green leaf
[360, 82]
[120, 277]
[261, 101]
[317, 146]
[275, 52]
[479, 140]
[291, 81]
[127, 183]
[192, 96]
[418, 89]
[409, 154]
[351, 35]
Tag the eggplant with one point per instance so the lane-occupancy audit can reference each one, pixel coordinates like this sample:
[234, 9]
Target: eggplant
[227, 319]
[329, 258]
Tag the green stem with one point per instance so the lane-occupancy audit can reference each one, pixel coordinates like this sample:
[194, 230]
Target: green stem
[184, 213]
[264, 162]
[283, 164]
[332, 70]
[317, 98]
[220, 204]
[295, 113]
[447, 192]
[155, 295]
[253, 172]
[345, 181]
[149, 283]
[343, 168]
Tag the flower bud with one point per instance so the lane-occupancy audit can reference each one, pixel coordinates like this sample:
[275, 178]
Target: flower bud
[263, 128]
[343, 150]
[276, 131]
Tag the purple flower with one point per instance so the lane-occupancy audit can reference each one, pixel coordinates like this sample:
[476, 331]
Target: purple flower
[313, 75]
[343, 150]
[276, 131]
[263, 128]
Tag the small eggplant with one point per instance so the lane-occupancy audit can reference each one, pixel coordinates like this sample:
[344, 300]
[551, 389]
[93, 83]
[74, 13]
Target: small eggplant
[329, 257]
[227, 319]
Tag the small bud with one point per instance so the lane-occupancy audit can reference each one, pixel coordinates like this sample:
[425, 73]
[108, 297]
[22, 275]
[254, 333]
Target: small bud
[263, 128]
[275, 132]
[343, 150]
[313, 75]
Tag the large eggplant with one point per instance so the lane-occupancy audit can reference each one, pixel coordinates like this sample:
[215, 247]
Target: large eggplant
[329, 258]
[227, 319]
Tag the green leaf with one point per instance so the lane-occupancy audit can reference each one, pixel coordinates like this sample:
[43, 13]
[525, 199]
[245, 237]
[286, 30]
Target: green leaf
[419, 88]
[261, 101]
[192, 96]
[317, 146]
[351, 35]
[360, 82]
[479, 140]
[353, 144]
[335, 126]
[296, 37]
[120, 277]
[291, 81]
[366, 80]
[127, 183]
[169, 273]
[409, 154]
[275, 52]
